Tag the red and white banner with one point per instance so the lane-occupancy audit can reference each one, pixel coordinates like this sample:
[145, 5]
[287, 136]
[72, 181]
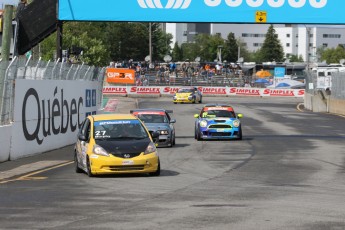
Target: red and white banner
[147, 90]
[213, 90]
[169, 90]
[115, 90]
[244, 91]
[206, 91]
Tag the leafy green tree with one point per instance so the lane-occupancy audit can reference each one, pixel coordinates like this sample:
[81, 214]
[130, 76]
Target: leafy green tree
[230, 52]
[272, 50]
[334, 55]
[207, 46]
[177, 53]
[295, 58]
[244, 53]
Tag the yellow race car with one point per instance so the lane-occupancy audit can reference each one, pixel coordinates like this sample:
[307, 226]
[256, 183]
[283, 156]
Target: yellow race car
[187, 95]
[115, 143]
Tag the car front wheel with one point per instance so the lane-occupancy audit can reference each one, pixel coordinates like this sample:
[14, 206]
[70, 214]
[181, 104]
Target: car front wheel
[158, 171]
[88, 166]
[76, 164]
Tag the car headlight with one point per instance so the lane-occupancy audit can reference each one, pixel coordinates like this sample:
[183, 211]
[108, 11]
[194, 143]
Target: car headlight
[151, 148]
[164, 132]
[174, 97]
[236, 123]
[98, 150]
[203, 123]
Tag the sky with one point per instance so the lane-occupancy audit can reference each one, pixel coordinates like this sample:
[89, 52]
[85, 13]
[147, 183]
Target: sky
[8, 2]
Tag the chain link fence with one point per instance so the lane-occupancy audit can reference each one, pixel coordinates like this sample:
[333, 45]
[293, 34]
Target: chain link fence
[334, 84]
[23, 68]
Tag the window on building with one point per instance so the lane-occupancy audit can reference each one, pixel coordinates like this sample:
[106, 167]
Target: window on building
[287, 44]
[287, 35]
[184, 33]
[331, 35]
[325, 45]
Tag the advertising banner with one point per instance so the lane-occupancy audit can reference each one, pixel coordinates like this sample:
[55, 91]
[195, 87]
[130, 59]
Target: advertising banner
[216, 11]
[215, 91]
[48, 114]
[206, 91]
[279, 72]
[120, 76]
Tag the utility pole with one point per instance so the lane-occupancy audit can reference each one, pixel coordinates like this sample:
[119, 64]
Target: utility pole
[150, 42]
[6, 34]
[59, 41]
[5, 49]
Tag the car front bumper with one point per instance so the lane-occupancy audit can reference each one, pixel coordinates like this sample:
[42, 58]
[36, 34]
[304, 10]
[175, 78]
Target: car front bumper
[224, 134]
[183, 100]
[116, 165]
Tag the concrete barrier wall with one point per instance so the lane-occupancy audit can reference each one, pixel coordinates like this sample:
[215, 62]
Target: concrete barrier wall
[337, 106]
[5, 142]
[48, 114]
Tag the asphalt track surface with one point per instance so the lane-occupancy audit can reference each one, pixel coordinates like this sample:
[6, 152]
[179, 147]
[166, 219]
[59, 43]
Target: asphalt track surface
[287, 173]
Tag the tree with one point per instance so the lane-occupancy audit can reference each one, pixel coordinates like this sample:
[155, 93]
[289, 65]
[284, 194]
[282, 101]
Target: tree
[230, 52]
[177, 53]
[334, 55]
[295, 58]
[272, 50]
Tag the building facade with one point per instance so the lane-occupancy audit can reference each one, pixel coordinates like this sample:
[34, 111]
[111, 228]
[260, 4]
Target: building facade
[300, 40]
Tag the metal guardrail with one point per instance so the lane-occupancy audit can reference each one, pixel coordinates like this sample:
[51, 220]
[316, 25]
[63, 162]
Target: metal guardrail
[22, 68]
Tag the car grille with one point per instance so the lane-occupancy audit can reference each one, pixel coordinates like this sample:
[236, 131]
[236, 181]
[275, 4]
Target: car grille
[220, 126]
[220, 134]
[125, 155]
[126, 168]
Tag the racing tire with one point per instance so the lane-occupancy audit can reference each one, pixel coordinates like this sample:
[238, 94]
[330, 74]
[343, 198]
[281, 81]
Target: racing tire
[76, 164]
[198, 137]
[240, 136]
[200, 100]
[194, 99]
[175, 102]
[174, 140]
[195, 135]
[88, 168]
[158, 171]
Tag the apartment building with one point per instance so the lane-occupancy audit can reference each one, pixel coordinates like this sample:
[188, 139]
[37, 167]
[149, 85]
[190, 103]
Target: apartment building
[300, 40]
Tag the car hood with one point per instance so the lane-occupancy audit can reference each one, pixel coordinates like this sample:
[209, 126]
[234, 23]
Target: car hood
[157, 126]
[124, 146]
[183, 94]
[219, 120]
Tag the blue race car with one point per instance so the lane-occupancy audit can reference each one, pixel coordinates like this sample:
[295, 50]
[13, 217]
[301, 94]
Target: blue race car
[218, 121]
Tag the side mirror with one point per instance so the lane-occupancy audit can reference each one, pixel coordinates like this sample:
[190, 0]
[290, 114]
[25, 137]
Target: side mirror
[82, 137]
[172, 121]
[196, 115]
[240, 115]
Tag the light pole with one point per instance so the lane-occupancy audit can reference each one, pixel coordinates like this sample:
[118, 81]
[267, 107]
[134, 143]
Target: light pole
[150, 43]
[220, 53]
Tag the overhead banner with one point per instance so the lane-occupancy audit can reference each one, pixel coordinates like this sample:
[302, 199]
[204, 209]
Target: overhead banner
[215, 11]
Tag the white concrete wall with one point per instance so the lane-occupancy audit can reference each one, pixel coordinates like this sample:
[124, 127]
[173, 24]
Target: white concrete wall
[5, 142]
[48, 115]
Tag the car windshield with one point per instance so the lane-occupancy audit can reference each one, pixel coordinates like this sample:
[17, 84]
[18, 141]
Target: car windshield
[153, 118]
[119, 129]
[218, 113]
[185, 91]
